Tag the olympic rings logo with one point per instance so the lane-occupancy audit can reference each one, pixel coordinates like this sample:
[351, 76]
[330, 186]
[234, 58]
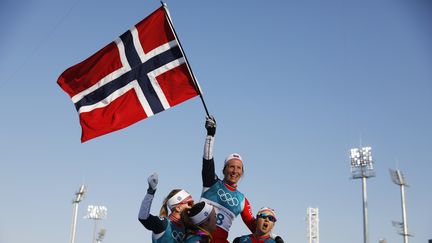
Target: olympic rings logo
[178, 236]
[228, 198]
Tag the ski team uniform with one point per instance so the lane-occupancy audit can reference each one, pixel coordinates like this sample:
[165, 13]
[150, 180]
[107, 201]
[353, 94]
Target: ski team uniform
[227, 201]
[165, 229]
[200, 238]
[251, 239]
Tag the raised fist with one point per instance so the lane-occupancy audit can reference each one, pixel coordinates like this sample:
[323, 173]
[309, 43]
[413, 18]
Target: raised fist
[153, 181]
[210, 125]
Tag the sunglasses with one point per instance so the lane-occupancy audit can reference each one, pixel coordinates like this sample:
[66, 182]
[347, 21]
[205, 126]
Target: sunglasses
[267, 216]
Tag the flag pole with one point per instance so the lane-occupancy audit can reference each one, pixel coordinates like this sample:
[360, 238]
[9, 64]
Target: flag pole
[197, 87]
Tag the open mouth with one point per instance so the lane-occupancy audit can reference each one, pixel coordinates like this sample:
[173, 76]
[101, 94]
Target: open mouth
[265, 225]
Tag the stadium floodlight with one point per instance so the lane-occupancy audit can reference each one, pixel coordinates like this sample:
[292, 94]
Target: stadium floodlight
[362, 167]
[362, 163]
[96, 213]
[79, 196]
[398, 178]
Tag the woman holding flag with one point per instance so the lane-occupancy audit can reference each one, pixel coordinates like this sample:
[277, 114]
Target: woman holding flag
[166, 228]
[223, 194]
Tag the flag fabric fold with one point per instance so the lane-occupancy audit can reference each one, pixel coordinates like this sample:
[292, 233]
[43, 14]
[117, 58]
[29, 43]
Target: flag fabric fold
[141, 73]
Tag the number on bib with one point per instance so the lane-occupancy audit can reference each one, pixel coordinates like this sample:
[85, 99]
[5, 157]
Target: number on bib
[220, 219]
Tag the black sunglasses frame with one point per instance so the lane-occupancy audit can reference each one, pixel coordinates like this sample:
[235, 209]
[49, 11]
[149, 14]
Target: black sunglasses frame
[264, 216]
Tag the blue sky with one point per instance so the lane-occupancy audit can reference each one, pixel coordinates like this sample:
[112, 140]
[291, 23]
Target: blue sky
[293, 86]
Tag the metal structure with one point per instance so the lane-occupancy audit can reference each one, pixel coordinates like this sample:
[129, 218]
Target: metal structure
[96, 213]
[313, 225]
[399, 179]
[79, 195]
[362, 167]
[101, 235]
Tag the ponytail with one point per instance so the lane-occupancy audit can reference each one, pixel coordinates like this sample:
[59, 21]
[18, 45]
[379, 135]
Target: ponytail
[185, 217]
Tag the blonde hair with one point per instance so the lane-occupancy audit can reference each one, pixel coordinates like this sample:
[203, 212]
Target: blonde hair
[164, 209]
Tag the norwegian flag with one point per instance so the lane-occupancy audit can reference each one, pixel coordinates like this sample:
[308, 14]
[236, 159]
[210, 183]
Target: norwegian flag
[141, 73]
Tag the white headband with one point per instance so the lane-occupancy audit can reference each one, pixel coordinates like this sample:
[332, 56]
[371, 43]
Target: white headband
[177, 198]
[203, 215]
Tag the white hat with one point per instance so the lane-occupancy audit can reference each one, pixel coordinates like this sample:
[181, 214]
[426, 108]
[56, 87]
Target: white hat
[233, 156]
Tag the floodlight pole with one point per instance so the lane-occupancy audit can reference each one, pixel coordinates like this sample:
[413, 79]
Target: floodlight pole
[101, 235]
[94, 231]
[399, 179]
[79, 196]
[404, 214]
[365, 211]
[96, 213]
[362, 167]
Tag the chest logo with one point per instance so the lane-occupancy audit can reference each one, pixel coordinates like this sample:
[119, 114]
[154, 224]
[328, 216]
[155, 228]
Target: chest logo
[228, 198]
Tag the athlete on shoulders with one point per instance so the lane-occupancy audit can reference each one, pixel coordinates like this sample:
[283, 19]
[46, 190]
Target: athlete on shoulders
[223, 194]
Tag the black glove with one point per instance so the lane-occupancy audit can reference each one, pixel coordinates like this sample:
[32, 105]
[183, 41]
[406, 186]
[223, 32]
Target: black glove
[278, 239]
[210, 125]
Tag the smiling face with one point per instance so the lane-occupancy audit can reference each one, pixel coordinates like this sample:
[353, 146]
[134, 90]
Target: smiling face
[264, 226]
[233, 171]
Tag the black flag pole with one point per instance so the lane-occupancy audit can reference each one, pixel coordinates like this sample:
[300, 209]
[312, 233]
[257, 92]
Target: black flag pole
[197, 87]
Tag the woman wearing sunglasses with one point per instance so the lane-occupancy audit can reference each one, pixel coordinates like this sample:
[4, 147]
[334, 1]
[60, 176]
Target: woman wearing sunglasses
[266, 219]
[223, 194]
[166, 228]
[200, 221]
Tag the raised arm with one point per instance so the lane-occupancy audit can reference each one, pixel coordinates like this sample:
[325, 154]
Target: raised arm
[150, 222]
[209, 177]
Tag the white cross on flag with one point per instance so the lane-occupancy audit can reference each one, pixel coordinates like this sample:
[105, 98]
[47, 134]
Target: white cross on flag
[141, 73]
